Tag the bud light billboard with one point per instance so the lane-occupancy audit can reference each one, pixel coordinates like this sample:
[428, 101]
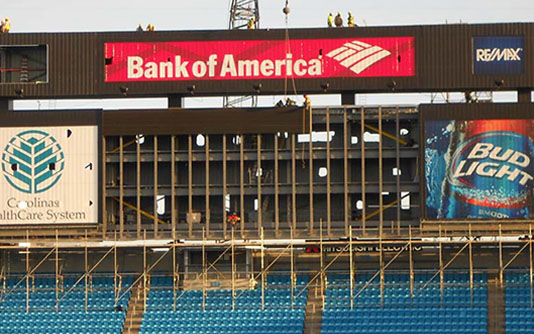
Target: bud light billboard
[478, 168]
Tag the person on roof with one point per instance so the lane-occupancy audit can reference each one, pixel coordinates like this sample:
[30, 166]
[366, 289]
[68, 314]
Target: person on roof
[6, 25]
[139, 27]
[251, 24]
[350, 20]
[150, 27]
[338, 20]
[330, 20]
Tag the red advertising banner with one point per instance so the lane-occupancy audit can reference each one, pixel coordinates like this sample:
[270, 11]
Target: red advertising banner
[260, 59]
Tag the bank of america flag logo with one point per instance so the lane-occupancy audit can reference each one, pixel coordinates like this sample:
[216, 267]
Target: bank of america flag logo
[358, 56]
[33, 161]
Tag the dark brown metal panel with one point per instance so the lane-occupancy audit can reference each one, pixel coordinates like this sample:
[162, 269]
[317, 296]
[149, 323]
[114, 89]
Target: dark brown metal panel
[205, 121]
[50, 118]
[467, 111]
[71, 67]
[447, 61]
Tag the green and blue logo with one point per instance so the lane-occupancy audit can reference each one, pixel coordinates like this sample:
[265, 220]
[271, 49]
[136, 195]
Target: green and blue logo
[33, 161]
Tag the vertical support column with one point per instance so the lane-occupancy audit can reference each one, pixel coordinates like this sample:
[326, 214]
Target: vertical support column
[104, 192]
[321, 258]
[86, 266]
[121, 187]
[441, 273]
[380, 172]
[397, 162]
[345, 171]
[328, 177]
[57, 271]
[225, 188]
[207, 157]
[362, 147]
[138, 186]
[233, 272]
[293, 183]
[351, 268]
[501, 267]
[174, 276]
[276, 189]
[410, 248]
[530, 267]
[262, 271]
[28, 271]
[173, 191]
[115, 274]
[242, 184]
[156, 187]
[190, 183]
[293, 274]
[381, 259]
[259, 173]
[204, 269]
[145, 276]
[471, 277]
[310, 171]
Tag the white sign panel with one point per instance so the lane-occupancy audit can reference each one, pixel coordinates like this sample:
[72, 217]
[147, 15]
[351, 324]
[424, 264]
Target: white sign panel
[49, 175]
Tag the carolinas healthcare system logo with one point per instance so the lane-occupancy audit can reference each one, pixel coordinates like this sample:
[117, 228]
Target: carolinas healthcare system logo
[33, 161]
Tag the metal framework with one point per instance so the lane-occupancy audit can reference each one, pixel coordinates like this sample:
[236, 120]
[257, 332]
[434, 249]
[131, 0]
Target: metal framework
[241, 12]
[512, 252]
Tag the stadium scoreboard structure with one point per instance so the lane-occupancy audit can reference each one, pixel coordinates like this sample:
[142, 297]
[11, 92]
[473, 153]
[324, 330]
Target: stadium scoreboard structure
[60, 170]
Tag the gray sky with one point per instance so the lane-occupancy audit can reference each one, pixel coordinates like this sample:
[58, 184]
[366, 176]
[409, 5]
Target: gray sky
[118, 15]
[123, 15]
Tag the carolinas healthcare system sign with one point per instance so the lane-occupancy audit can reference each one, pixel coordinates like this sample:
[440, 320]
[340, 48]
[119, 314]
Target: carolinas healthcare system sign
[260, 59]
[49, 175]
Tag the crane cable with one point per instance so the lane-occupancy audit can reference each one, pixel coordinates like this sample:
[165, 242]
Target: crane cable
[293, 83]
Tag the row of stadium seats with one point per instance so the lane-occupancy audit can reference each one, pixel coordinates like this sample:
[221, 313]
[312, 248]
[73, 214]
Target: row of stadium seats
[248, 317]
[71, 318]
[519, 314]
[458, 310]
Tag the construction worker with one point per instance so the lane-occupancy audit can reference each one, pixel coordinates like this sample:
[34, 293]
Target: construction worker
[330, 20]
[350, 20]
[150, 27]
[233, 219]
[7, 25]
[290, 102]
[307, 102]
[139, 27]
[338, 20]
[251, 24]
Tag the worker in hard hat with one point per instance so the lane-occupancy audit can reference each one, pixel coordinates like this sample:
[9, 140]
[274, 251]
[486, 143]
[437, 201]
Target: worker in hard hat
[139, 27]
[6, 25]
[350, 20]
[338, 20]
[330, 20]
[150, 27]
[251, 24]
[307, 102]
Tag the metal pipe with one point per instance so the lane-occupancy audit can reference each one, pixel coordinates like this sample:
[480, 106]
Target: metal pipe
[328, 177]
[207, 200]
[121, 188]
[190, 184]
[345, 171]
[242, 184]
[173, 187]
[155, 187]
[362, 147]
[138, 186]
[259, 173]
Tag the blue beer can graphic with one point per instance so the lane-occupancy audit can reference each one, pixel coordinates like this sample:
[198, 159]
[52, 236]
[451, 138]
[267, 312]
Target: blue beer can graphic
[488, 170]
